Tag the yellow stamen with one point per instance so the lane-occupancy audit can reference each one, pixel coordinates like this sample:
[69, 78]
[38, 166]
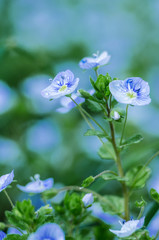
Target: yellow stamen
[63, 88]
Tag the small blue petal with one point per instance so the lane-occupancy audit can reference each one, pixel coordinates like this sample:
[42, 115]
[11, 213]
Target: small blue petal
[5, 180]
[91, 62]
[37, 186]
[88, 199]
[50, 231]
[2, 235]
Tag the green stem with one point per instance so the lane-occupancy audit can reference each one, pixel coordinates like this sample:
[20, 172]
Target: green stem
[141, 212]
[106, 134]
[151, 213]
[9, 199]
[96, 71]
[106, 171]
[83, 113]
[122, 135]
[119, 166]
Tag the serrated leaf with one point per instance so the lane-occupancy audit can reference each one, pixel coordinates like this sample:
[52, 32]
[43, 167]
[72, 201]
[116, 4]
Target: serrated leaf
[88, 181]
[93, 132]
[132, 140]
[22, 214]
[138, 176]
[106, 151]
[154, 194]
[112, 204]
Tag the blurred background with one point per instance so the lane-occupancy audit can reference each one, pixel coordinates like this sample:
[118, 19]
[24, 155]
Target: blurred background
[40, 38]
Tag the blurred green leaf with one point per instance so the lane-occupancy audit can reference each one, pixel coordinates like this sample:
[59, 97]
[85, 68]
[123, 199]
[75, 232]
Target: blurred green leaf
[110, 176]
[112, 204]
[141, 203]
[138, 176]
[93, 132]
[106, 151]
[48, 194]
[16, 237]
[132, 140]
[73, 203]
[93, 106]
[154, 194]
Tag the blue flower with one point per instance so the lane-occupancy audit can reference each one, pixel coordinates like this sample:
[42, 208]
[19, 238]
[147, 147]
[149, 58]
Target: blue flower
[134, 91]
[2, 235]
[50, 231]
[96, 61]
[88, 199]
[5, 180]
[37, 185]
[63, 84]
[68, 104]
[129, 228]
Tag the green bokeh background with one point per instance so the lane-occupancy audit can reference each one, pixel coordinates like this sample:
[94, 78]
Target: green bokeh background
[40, 38]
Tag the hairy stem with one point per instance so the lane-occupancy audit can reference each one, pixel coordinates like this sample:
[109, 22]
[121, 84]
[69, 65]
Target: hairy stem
[119, 166]
[123, 131]
[9, 199]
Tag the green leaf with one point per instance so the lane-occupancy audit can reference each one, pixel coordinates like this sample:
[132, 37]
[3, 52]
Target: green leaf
[48, 194]
[74, 203]
[16, 237]
[93, 132]
[2, 226]
[106, 151]
[88, 181]
[22, 214]
[93, 106]
[154, 194]
[140, 204]
[112, 204]
[132, 140]
[138, 176]
[111, 176]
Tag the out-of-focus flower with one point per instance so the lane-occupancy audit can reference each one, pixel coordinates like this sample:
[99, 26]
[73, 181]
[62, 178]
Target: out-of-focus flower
[134, 91]
[5, 180]
[37, 185]
[63, 84]
[88, 199]
[12, 230]
[68, 104]
[116, 115]
[98, 212]
[51, 231]
[2, 235]
[129, 228]
[96, 61]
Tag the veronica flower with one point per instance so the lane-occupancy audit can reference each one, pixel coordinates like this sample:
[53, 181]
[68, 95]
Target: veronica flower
[134, 91]
[96, 61]
[50, 231]
[129, 228]
[88, 199]
[68, 104]
[5, 180]
[63, 84]
[37, 185]
[2, 235]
